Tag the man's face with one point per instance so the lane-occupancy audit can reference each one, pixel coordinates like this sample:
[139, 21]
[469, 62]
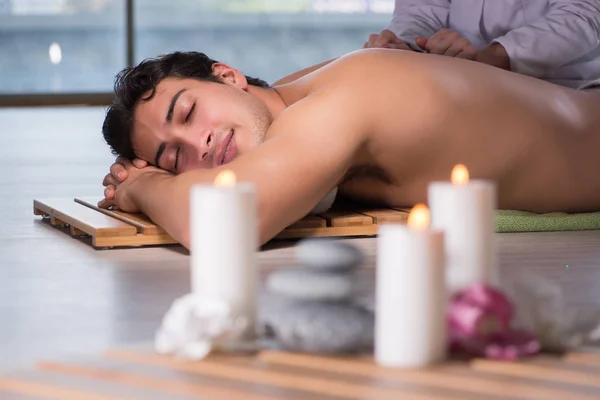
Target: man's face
[191, 124]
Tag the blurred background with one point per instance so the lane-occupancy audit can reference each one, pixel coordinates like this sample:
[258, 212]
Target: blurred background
[68, 51]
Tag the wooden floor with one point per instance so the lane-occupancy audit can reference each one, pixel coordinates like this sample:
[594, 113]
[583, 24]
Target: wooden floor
[140, 373]
[60, 297]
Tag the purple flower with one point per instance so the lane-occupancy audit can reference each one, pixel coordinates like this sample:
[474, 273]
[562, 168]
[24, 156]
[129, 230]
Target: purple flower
[509, 345]
[479, 325]
[479, 310]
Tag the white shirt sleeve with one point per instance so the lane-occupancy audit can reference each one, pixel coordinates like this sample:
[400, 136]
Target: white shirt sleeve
[569, 30]
[419, 18]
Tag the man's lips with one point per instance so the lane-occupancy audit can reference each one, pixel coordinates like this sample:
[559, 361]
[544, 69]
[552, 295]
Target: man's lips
[231, 149]
[227, 150]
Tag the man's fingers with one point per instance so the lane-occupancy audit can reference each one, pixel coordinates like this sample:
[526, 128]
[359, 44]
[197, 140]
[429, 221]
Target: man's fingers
[441, 41]
[453, 50]
[381, 41]
[103, 203]
[118, 171]
[122, 160]
[109, 192]
[106, 203]
[386, 37]
[440, 48]
[443, 45]
[435, 39]
[109, 179]
[139, 163]
[372, 39]
[422, 42]
[459, 45]
[397, 46]
[468, 53]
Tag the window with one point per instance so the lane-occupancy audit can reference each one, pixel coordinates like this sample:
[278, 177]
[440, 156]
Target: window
[77, 46]
[263, 38]
[60, 46]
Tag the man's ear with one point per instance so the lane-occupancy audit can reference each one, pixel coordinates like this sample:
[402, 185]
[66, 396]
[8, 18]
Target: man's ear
[229, 75]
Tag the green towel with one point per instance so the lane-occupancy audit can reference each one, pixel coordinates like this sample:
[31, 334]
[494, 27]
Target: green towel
[523, 221]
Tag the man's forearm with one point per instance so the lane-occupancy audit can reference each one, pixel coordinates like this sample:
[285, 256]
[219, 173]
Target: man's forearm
[568, 30]
[494, 55]
[165, 202]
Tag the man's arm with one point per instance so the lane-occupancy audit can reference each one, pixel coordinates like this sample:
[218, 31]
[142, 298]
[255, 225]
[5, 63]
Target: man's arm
[419, 18]
[299, 74]
[569, 30]
[313, 146]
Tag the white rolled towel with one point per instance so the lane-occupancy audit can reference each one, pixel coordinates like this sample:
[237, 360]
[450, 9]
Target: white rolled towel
[326, 203]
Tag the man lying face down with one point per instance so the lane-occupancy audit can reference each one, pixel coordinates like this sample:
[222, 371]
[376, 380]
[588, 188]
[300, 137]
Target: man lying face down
[378, 124]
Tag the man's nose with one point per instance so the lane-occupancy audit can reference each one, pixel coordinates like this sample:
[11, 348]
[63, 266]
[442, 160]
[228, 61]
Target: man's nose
[203, 142]
[206, 144]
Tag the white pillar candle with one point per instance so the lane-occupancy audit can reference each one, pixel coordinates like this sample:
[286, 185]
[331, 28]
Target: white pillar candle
[410, 319]
[224, 241]
[465, 211]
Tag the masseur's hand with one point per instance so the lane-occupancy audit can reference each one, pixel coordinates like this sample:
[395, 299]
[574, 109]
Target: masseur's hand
[448, 43]
[385, 39]
[120, 182]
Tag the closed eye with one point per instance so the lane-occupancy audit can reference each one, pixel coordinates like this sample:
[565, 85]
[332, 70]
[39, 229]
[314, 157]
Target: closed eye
[177, 159]
[187, 118]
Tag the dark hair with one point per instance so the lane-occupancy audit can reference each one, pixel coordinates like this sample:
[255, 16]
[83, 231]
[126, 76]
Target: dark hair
[131, 84]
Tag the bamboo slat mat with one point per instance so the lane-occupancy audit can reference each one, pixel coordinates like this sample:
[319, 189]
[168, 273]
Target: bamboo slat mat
[108, 228]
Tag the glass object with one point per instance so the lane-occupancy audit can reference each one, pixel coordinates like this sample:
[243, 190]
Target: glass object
[60, 46]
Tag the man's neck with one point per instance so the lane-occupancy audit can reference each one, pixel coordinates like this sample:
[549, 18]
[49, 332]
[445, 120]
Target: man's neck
[276, 99]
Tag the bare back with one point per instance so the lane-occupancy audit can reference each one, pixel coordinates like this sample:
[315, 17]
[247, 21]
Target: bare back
[538, 141]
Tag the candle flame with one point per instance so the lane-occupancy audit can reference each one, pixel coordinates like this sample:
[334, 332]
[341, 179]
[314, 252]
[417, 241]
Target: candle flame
[225, 179]
[419, 217]
[460, 175]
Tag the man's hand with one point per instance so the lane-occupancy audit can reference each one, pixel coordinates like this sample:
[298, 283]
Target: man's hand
[494, 55]
[119, 182]
[385, 39]
[448, 43]
[118, 170]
